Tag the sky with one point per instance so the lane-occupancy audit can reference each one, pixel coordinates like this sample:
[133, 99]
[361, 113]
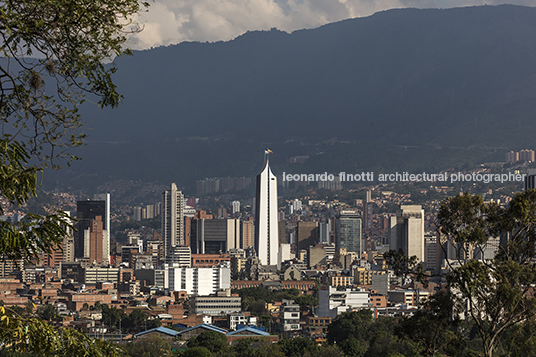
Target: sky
[169, 22]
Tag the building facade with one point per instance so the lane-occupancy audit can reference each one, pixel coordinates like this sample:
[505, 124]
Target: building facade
[172, 218]
[266, 222]
[406, 231]
[348, 232]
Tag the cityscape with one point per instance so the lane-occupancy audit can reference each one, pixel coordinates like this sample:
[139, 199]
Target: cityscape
[267, 179]
[179, 267]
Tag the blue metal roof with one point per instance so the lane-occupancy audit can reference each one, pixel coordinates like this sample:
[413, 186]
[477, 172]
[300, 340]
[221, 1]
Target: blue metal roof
[165, 330]
[206, 326]
[249, 329]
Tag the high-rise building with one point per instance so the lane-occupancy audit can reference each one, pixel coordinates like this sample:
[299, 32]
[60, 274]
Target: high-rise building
[324, 230]
[180, 256]
[247, 233]
[172, 218]
[530, 180]
[431, 252]
[406, 231]
[106, 225]
[94, 241]
[214, 236]
[236, 206]
[307, 233]
[86, 212]
[348, 232]
[367, 211]
[266, 222]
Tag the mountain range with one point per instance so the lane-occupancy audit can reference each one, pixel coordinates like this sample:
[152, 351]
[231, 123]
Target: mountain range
[403, 89]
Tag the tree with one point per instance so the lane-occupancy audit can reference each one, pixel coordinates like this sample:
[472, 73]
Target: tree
[70, 41]
[47, 312]
[434, 327]
[297, 347]
[349, 325]
[136, 321]
[150, 347]
[196, 352]
[496, 294]
[213, 341]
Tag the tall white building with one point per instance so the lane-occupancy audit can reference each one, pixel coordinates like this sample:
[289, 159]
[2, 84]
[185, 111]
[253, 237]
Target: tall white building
[406, 231]
[172, 218]
[266, 222]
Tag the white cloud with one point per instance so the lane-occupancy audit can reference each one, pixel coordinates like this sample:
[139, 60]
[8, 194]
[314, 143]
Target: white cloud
[173, 21]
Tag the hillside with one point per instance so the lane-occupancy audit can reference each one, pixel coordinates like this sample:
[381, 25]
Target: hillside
[434, 79]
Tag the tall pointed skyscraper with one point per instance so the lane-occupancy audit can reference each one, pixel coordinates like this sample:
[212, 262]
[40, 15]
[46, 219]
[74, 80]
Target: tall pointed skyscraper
[266, 224]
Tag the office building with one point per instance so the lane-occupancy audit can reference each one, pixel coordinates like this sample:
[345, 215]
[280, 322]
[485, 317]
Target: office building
[266, 222]
[236, 206]
[333, 301]
[307, 234]
[348, 232]
[172, 218]
[180, 256]
[93, 241]
[220, 304]
[105, 197]
[87, 212]
[214, 236]
[324, 232]
[431, 258]
[367, 211]
[247, 233]
[199, 281]
[406, 231]
[530, 180]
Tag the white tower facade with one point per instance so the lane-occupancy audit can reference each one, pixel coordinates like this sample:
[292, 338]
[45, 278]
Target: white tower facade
[172, 218]
[266, 222]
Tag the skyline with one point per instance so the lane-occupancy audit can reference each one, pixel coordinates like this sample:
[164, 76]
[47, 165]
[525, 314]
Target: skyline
[166, 22]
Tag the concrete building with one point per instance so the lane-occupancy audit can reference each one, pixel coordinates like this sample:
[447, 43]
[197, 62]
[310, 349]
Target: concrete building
[247, 233]
[199, 281]
[94, 275]
[266, 222]
[180, 256]
[86, 212]
[406, 231]
[333, 302]
[410, 298]
[289, 316]
[324, 232]
[172, 218]
[530, 179]
[363, 276]
[214, 236]
[367, 211]
[348, 232]
[236, 206]
[105, 197]
[315, 255]
[93, 241]
[431, 259]
[307, 234]
[220, 304]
